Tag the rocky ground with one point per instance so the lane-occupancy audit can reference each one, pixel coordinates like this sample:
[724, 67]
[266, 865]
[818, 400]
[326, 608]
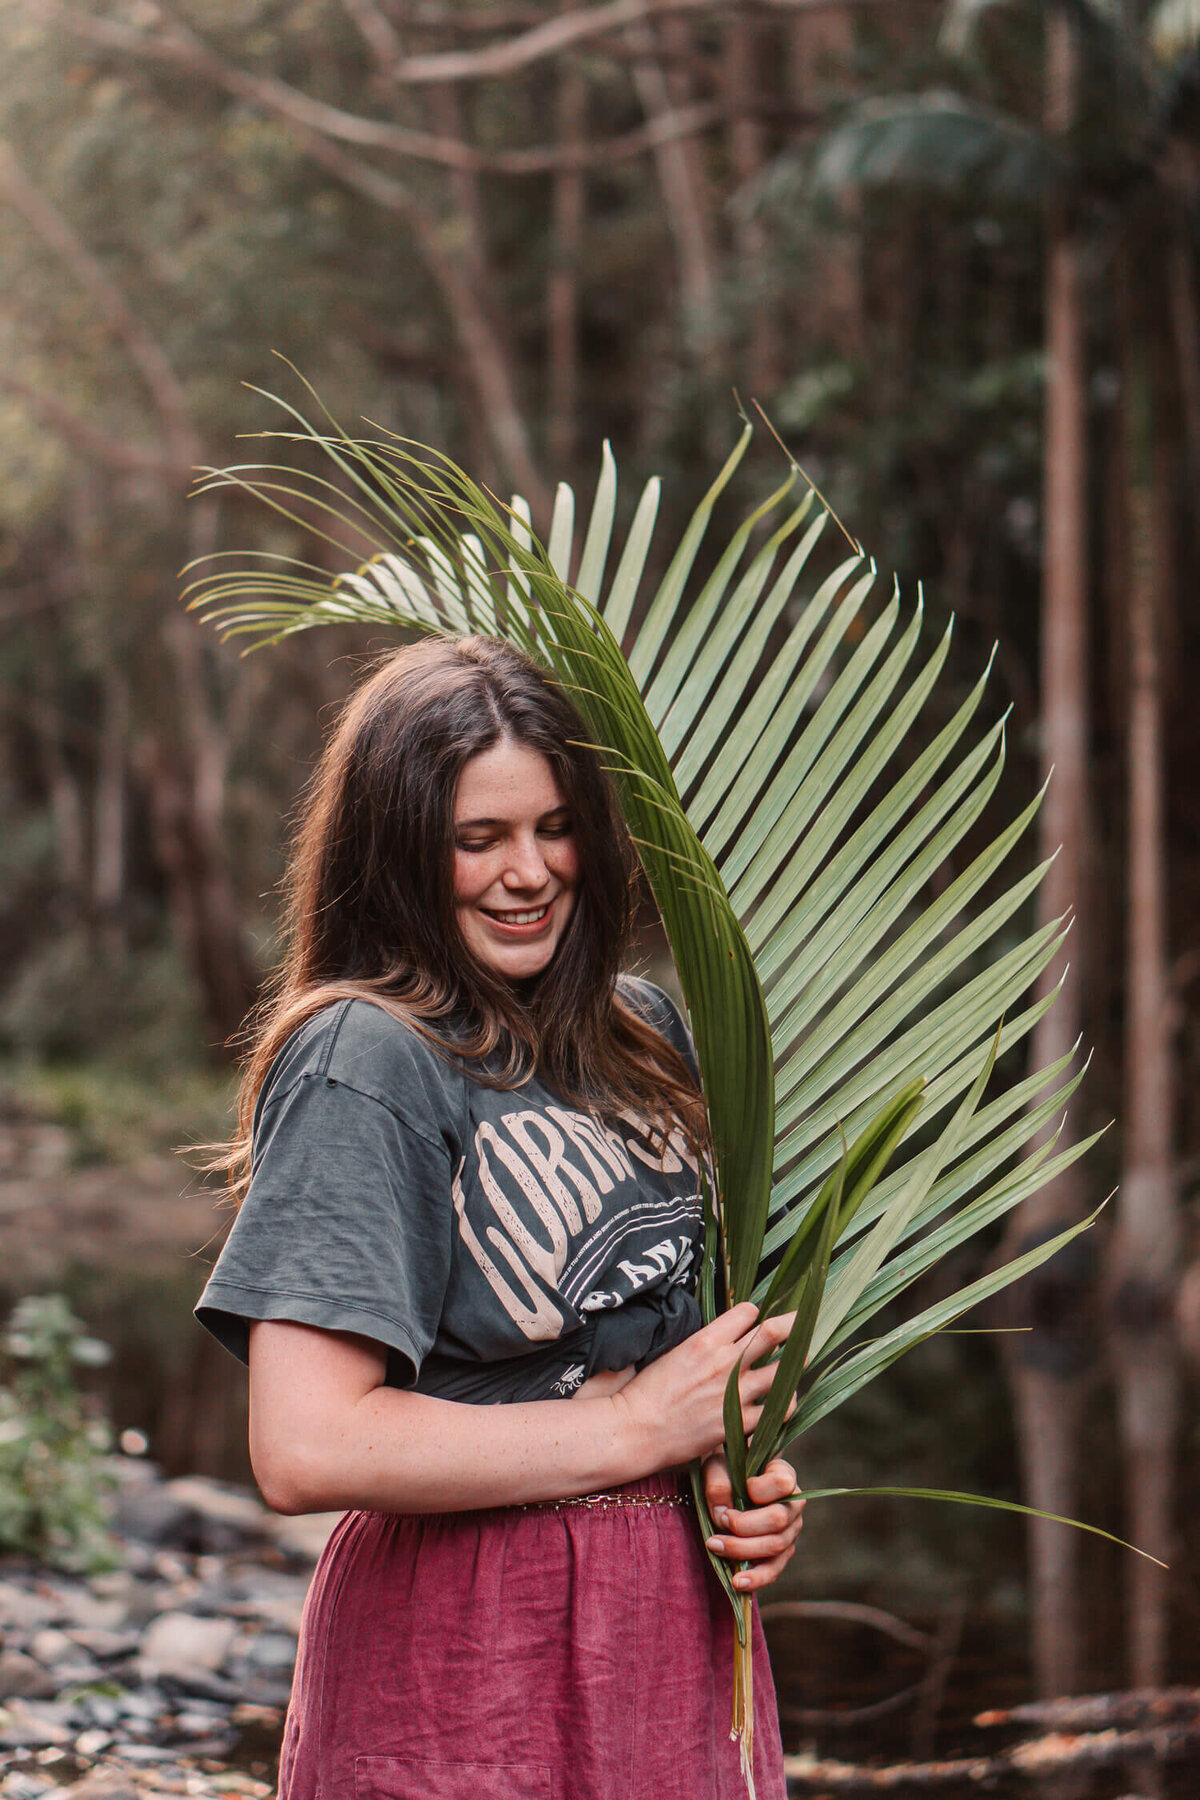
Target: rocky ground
[168, 1674]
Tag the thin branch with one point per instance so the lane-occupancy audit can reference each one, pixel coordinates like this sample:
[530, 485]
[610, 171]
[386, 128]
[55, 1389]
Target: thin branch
[180, 48]
[378, 31]
[143, 349]
[550, 38]
[680, 179]
[485, 357]
[853, 1715]
[83, 435]
[849, 1612]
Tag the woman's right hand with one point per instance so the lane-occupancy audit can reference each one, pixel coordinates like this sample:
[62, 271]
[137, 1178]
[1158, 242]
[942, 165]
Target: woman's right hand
[676, 1403]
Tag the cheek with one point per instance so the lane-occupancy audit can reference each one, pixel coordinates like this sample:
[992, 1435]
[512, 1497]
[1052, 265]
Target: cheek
[566, 865]
[470, 878]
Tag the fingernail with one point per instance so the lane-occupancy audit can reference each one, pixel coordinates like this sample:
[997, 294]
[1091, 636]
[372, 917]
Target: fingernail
[715, 1543]
[741, 1581]
[721, 1517]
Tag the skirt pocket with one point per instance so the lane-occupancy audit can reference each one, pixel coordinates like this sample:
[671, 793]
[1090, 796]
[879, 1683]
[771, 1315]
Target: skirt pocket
[403, 1778]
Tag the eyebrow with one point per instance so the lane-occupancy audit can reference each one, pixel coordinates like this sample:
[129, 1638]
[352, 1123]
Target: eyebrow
[475, 824]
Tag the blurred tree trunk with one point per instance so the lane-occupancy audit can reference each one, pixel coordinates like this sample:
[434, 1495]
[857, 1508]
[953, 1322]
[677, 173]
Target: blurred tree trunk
[109, 809]
[188, 786]
[468, 229]
[742, 76]
[1048, 1366]
[562, 288]
[65, 796]
[1185, 328]
[1144, 1254]
[187, 775]
[821, 43]
[683, 183]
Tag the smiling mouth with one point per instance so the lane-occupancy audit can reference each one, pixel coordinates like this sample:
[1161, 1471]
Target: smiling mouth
[532, 916]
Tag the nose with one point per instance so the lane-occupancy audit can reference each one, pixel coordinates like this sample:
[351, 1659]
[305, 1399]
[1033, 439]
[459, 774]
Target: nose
[526, 871]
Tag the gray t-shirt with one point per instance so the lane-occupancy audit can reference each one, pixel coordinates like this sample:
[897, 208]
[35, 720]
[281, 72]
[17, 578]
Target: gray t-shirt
[500, 1244]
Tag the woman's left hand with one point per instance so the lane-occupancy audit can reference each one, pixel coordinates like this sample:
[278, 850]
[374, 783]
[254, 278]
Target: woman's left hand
[765, 1534]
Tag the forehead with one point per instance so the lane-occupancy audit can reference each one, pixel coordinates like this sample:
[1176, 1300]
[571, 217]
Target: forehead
[508, 780]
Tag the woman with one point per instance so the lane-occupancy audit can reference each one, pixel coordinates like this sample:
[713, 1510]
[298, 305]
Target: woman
[462, 1277]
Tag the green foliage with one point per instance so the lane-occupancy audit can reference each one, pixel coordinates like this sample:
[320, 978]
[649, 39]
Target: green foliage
[118, 1111]
[52, 1447]
[936, 140]
[73, 1000]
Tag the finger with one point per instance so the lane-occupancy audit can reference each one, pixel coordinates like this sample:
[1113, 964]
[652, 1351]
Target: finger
[768, 1336]
[761, 1521]
[718, 1490]
[755, 1384]
[748, 1581]
[775, 1482]
[752, 1412]
[758, 1549]
[730, 1327]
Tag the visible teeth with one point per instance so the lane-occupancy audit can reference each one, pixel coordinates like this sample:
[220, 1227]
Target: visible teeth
[522, 918]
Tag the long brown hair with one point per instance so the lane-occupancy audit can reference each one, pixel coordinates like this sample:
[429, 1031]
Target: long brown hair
[370, 895]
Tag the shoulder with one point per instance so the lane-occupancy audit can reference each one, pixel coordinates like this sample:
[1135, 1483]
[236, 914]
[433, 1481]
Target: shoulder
[378, 1055]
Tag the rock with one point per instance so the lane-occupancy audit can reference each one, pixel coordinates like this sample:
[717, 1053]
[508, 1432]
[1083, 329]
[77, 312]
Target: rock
[198, 1724]
[97, 1710]
[20, 1674]
[145, 1705]
[105, 1645]
[23, 1785]
[21, 1610]
[104, 1784]
[273, 1650]
[81, 1609]
[143, 1753]
[305, 1535]
[51, 1646]
[91, 1743]
[223, 1517]
[196, 1685]
[179, 1644]
[29, 1724]
[151, 1515]
[268, 1594]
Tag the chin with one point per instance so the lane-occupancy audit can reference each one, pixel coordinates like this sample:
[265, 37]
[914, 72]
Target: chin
[523, 968]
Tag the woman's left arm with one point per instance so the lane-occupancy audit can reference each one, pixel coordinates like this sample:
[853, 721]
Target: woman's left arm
[765, 1534]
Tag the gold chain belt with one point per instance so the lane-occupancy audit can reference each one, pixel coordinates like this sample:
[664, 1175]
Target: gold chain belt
[605, 1501]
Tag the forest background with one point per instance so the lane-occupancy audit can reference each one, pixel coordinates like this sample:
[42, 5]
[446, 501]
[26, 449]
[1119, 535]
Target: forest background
[951, 250]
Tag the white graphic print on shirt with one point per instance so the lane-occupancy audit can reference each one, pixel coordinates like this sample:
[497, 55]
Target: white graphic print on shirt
[546, 1177]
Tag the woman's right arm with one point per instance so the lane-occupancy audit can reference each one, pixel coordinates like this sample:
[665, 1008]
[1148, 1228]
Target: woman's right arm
[327, 1435]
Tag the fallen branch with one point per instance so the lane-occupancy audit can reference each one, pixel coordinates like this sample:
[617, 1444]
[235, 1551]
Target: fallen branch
[1091, 1712]
[849, 1612]
[1039, 1756]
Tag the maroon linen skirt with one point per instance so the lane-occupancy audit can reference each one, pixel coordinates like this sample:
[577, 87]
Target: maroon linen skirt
[556, 1652]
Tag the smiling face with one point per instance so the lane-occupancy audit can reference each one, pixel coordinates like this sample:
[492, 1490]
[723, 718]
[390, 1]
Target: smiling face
[516, 865]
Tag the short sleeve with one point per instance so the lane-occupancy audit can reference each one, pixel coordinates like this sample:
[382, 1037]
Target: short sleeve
[346, 1225]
